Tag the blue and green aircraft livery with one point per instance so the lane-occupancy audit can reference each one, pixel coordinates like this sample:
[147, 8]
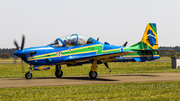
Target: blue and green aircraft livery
[75, 49]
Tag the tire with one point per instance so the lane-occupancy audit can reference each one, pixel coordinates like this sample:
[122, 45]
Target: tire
[92, 75]
[58, 73]
[28, 75]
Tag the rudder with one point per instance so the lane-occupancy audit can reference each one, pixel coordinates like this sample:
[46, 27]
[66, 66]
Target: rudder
[150, 37]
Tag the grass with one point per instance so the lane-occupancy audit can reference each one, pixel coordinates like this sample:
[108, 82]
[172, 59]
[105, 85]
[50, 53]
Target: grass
[14, 71]
[125, 91]
[165, 58]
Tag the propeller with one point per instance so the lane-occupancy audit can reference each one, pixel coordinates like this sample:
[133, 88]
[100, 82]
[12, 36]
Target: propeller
[22, 44]
[15, 59]
[19, 48]
[16, 44]
[22, 66]
[97, 39]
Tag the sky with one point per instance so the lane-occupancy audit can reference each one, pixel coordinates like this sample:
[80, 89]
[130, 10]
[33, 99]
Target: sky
[113, 21]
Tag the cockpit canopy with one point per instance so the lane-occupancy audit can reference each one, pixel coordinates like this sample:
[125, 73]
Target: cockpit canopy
[71, 40]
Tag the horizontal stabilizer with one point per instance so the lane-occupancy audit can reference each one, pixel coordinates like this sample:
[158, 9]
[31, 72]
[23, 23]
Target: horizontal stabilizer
[150, 50]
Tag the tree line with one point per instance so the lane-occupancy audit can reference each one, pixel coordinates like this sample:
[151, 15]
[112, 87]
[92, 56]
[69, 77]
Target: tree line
[9, 52]
[175, 53]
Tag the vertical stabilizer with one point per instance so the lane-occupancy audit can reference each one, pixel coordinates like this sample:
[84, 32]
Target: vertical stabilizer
[149, 39]
[147, 48]
[150, 36]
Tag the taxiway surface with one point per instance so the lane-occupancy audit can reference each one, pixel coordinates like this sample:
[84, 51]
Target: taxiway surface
[84, 80]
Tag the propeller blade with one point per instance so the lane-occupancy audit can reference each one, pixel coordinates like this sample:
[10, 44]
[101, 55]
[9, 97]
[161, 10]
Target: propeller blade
[125, 43]
[16, 44]
[22, 66]
[15, 59]
[97, 39]
[22, 44]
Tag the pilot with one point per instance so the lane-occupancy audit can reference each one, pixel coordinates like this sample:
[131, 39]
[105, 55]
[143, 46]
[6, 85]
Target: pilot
[72, 41]
[89, 41]
[66, 42]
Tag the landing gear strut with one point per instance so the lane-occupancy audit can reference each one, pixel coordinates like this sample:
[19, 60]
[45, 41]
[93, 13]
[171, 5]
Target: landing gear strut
[58, 71]
[28, 75]
[93, 72]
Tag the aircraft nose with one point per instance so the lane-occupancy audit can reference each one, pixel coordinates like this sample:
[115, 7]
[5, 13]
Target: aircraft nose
[18, 53]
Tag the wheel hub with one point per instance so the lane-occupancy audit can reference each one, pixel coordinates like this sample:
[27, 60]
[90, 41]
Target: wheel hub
[59, 73]
[29, 75]
[93, 74]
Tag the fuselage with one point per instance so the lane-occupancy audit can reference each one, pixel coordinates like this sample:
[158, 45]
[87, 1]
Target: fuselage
[77, 50]
[49, 55]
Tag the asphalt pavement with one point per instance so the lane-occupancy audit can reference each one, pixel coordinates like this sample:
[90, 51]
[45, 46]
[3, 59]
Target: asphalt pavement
[85, 80]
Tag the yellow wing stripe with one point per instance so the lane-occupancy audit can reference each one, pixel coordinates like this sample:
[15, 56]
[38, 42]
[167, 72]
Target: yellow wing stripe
[140, 55]
[111, 50]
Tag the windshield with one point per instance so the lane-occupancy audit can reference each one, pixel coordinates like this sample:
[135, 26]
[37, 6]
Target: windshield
[56, 43]
[69, 40]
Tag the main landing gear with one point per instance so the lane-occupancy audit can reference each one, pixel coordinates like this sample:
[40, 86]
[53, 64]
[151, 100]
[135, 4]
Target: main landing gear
[58, 71]
[28, 75]
[93, 72]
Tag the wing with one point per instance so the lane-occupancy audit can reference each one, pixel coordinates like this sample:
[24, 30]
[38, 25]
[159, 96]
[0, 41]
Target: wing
[103, 57]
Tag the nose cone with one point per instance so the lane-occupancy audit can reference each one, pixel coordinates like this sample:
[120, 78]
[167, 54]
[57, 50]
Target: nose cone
[18, 53]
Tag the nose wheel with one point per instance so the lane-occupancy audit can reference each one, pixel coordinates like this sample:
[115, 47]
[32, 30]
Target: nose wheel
[28, 75]
[58, 72]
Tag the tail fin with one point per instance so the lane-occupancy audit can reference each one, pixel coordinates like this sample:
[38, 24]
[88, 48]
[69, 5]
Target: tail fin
[149, 39]
[147, 48]
[150, 36]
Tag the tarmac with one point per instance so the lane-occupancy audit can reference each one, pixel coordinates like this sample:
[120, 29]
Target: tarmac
[85, 80]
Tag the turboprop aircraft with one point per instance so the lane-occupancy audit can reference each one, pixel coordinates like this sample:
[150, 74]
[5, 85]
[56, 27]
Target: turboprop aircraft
[75, 49]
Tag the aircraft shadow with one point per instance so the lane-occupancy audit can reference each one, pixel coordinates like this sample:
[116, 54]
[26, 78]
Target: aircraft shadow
[87, 78]
[34, 78]
[77, 78]
[135, 75]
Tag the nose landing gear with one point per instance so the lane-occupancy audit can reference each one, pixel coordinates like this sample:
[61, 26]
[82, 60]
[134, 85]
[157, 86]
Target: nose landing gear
[28, 75]
[58, 72]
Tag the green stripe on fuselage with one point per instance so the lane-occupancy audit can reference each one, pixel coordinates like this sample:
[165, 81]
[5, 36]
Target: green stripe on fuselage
[87, 49]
